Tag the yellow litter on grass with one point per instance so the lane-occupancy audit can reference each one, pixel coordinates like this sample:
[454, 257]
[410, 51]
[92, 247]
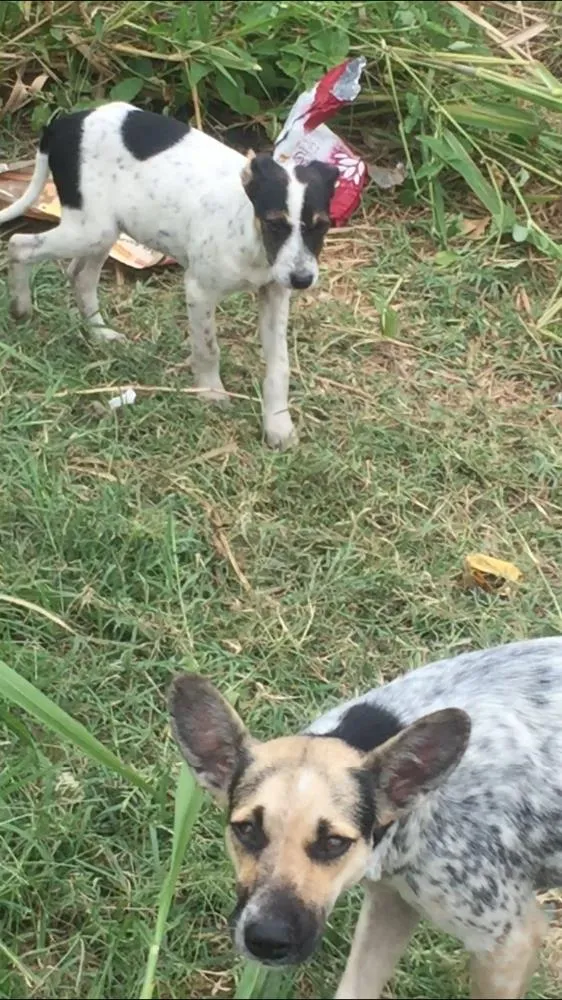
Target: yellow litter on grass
[490, 574]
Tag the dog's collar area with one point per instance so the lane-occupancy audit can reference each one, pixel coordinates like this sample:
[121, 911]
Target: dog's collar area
[379, 833]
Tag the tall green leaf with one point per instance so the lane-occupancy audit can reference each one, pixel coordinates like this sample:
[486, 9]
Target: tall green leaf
[448, 148]
[188, 803]
[495, 117]
[21, 692]
[259, 983]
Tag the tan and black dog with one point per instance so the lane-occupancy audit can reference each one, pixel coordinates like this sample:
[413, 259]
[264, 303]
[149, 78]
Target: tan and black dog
[442, 791]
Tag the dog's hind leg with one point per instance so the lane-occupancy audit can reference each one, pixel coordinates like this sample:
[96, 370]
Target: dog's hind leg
[205, 353]
[84, 273]
[504, 973]
[383, 930]
[71, 238]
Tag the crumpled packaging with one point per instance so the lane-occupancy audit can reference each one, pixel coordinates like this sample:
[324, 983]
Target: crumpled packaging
[306, 137]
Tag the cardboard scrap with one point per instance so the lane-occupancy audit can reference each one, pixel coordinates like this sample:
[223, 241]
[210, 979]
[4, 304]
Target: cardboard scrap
[490, 574]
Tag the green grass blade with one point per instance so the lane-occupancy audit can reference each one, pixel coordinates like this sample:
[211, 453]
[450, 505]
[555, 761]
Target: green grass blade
[494, 117]
[260, 983]
[188, 803]
[551, 98]
[543, 242]
[21, 692]
[454, 154]
[438, 210]
[16, 726]
[31, 980]
[251, 982]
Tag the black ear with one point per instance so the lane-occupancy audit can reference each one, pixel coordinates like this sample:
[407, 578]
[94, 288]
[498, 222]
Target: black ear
[262, 168]
[208, 732]
[328, 174]
[417, 760]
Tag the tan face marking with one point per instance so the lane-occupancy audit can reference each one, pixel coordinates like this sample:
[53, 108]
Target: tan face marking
[304, 794]
[303, 809]
[320, 217]
[277, 217]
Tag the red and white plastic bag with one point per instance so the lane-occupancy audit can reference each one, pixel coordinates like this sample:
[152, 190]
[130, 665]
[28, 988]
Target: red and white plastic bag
[306, 137]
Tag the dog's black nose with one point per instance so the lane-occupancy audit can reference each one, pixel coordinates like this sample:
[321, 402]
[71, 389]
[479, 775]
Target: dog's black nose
[269, 939]
[300, 280]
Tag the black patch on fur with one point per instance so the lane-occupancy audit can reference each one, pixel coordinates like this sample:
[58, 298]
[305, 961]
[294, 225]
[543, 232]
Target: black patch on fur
[320, 179]
[366, 814]
[379, 833]
[266, 187]
[146, 134]
[274, 234]
[322, 849]
[366, 726]
[242, 896]
[242, 763]
[61, 141]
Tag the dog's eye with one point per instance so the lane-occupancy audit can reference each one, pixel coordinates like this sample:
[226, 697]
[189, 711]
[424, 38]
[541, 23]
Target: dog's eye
[243, 830]
[336, 846]
[329, 848]
[279, 226]
[319, 226]
[249, 834]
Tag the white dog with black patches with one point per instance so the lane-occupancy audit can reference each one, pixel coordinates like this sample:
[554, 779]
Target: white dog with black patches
[233, 224]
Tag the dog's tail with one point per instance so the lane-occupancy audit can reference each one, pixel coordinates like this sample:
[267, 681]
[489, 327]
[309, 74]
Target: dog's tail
[36, 185]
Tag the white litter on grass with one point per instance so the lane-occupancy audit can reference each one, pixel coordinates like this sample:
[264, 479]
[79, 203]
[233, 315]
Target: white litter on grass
[125, 398]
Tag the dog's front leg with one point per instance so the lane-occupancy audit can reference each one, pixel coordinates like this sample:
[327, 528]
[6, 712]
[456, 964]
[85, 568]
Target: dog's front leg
[273, 320]
[504, 972]
[205, 354]
[382, 933]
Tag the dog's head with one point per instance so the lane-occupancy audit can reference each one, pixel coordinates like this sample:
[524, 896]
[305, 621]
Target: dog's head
[292, 210]
[303, 810]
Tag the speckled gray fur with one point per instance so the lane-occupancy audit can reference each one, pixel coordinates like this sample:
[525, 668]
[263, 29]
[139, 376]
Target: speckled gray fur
[475, 850]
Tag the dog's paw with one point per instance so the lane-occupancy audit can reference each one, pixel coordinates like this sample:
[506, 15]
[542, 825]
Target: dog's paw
[20, 310]
[105, 335]
[280, 432]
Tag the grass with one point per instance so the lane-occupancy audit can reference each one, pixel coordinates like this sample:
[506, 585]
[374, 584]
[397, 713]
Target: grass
[165, 536]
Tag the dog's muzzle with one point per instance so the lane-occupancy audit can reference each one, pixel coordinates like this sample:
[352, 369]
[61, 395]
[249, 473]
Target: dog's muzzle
[269, 939]
[301, 279]
[275, 928]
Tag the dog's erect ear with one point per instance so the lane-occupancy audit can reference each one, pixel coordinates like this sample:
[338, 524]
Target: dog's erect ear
[208, 732]
[265, 182]
[328, 174]
[417, 760]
